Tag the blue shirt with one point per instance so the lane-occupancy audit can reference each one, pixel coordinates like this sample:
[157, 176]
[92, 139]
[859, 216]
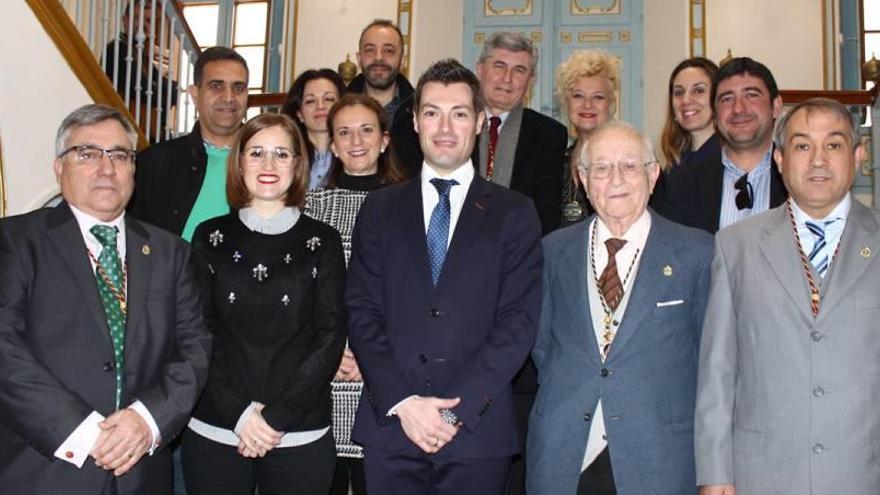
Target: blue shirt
[320, 169]
[759, 178]
[833, 230]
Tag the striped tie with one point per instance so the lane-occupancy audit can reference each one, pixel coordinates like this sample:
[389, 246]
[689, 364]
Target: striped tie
[609, 282]
[819, 256]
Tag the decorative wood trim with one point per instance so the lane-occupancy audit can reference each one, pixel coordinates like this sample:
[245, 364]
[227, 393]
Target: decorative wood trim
[265, 99]
[794, 96]
[697, 33]
[80, 58]
[490, 11]
[405, 7]
[576, 9]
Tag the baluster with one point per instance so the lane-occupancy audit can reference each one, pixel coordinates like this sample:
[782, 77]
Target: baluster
[160, 110]
[138, 89]
[128, 53]
[105, 29]
[150, 69]
[91, 22]
[172, 127]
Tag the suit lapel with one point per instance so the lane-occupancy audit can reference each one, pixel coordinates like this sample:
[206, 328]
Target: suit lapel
[411, 220]
[574, 262]
[650, 281]
[713, 191]
[474, 211]
[852, 260]
[65, 234]
[140, 267]
[506, 149]
[778, 246]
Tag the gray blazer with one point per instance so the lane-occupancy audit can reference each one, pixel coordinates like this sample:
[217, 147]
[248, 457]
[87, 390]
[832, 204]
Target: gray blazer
[788, 403]
[647, 384]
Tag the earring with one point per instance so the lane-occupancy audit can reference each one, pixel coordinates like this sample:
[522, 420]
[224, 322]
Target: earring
[381, 150]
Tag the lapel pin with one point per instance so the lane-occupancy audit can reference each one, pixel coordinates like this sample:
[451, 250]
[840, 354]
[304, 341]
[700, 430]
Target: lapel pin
[667, 271]
[866, 252]
[145, 249]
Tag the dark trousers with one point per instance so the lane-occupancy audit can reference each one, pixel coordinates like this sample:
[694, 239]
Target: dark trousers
[407, 473]
[598, 478]
[211, 468]
[516, 479]
[349, 472]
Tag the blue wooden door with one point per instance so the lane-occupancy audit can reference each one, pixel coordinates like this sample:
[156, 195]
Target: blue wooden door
[559, 27]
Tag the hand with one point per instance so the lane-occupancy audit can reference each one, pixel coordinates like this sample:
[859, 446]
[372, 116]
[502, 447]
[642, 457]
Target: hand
[348, 368]
[256, 436]
[125, 437]
[717, 490]
[422, 424]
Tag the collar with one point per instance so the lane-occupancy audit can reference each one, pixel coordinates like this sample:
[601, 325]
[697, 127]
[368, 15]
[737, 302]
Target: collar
[464, 174]
[840, 212]
[635, 236]
[278, 223]
[763, 165]
[86, 222]
[503, 116]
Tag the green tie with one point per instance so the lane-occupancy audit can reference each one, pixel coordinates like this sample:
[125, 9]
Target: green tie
[111, 287]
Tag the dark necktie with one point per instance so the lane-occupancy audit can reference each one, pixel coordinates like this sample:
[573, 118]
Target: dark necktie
[609, 283]
[494, 124]
[438, 227]
[111, 288]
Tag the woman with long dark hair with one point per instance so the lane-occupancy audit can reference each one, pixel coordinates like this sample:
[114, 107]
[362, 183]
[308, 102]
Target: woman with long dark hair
[689, 131]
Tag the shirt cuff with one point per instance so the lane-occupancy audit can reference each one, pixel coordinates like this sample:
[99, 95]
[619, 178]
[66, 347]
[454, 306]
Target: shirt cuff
[393, 410]
[76, 447]
[244, 417]
[141, 409]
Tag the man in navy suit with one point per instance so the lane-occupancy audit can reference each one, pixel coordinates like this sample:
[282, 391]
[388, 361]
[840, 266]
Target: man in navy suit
[444, 298]
[624, 297]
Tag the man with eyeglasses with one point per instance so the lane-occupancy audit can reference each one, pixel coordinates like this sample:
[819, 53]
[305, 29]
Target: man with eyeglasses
[104, 345]
[741, 180]
[789, 380]
[624, 296]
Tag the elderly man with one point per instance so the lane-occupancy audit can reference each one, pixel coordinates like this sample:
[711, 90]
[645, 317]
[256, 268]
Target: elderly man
[104, 347]
[443, 297]
[182, 182]
[614, 412]
[789, 379]
[741, 180]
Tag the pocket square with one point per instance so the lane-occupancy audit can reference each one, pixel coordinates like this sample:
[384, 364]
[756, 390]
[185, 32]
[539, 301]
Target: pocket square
[663, 304]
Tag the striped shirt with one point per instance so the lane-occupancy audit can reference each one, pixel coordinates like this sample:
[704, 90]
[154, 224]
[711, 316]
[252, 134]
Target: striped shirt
[759, 178]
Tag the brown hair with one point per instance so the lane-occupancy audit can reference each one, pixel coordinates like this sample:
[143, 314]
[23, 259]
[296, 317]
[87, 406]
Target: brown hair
[236, 191]
[387, 168]
[676, 140]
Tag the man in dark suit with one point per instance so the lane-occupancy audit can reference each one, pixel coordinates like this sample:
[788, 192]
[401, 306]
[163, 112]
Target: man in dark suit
[104, 346]
[741, 180]
[525, 151]
[521, 149]
[440, 334]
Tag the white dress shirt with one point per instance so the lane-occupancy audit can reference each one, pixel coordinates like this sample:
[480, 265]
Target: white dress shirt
[635, 238]
[833, 231]
[464, 175]
[82, 439]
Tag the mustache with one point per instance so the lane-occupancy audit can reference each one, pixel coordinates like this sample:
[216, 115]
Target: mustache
[380, 65]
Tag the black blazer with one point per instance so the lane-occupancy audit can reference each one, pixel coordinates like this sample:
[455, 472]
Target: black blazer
[56, 358]
[465, 338]
[168, 178]
[538, 165]
[692, 193]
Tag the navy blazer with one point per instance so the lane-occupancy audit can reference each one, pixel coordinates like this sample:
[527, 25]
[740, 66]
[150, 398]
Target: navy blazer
[648, 382]
[465, 338]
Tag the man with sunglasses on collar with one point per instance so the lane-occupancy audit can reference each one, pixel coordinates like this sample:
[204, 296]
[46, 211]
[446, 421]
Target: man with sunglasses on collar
[742, 180]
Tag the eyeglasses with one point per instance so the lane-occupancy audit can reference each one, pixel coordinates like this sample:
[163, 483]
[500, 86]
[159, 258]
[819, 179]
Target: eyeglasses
[602, 170]
[745, 198]
[257, 155]
[87, 154]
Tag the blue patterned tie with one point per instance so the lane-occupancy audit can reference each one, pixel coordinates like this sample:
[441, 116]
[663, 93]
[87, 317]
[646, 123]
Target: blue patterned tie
[438, 228]
[819, 255]
[111, 287]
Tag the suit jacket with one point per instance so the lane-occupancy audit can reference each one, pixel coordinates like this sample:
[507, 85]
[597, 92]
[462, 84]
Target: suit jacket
[648, 382]
[168, 179]
[56, 358]
[692, 194]
[535, 154]
[465, 338]
[787, 403]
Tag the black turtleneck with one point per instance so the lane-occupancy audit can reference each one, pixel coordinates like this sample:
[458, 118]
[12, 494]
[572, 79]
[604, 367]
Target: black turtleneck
[358, 182]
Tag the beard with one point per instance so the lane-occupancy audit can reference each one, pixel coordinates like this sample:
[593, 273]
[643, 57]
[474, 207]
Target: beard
[380, 82]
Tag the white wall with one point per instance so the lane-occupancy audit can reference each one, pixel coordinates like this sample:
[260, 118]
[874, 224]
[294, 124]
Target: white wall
[666, 44]
[438, 29]
[37, 90]
[327, 30]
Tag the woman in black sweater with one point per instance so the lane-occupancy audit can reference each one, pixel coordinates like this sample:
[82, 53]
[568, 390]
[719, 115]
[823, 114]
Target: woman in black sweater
[274, 282]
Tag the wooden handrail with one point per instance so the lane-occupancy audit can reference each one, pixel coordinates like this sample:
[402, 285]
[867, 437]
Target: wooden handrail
[266, 99]
[80, 58]
[794, 96]
[178, 12]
